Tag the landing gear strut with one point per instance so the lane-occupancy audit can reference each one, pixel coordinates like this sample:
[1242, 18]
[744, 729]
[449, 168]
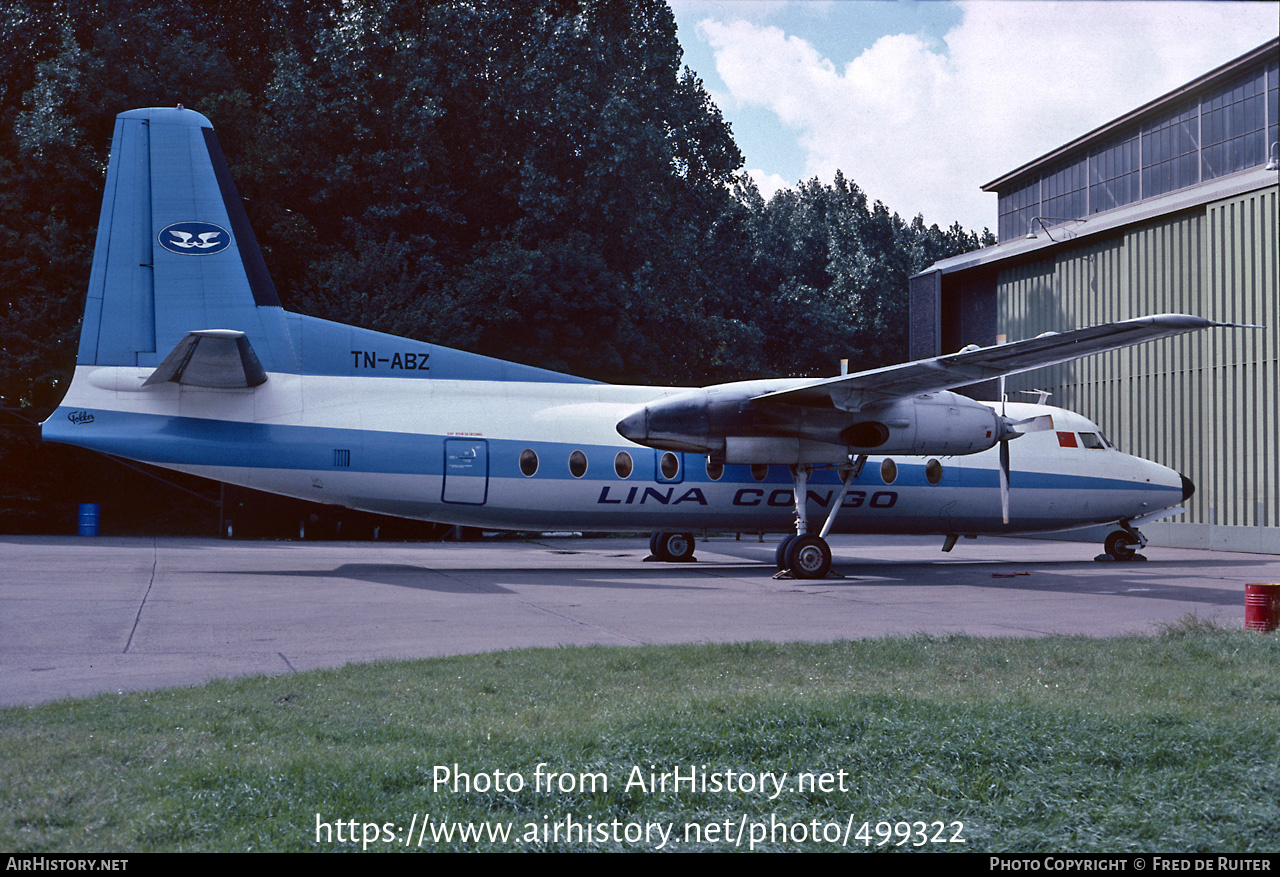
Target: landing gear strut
[805, 555]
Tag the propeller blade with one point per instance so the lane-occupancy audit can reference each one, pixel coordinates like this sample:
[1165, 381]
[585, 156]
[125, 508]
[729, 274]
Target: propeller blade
[1004, 480]
[1034, 424]
[1004, 453]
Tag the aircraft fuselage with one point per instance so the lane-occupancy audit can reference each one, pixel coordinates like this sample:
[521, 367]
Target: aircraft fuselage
[527, 455]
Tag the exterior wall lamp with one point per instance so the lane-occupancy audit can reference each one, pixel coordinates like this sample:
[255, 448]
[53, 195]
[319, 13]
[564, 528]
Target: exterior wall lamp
[1031, 231]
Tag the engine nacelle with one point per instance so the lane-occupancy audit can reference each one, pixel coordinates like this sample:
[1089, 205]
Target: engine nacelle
[705, 422]
[936, 423]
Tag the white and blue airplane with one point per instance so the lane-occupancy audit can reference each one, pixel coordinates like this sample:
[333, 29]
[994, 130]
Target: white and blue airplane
[188, 361]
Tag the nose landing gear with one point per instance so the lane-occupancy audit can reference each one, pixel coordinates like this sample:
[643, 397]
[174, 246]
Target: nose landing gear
[1123, 544]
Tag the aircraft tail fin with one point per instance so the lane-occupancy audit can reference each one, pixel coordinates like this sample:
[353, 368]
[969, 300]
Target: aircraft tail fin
[174, 252]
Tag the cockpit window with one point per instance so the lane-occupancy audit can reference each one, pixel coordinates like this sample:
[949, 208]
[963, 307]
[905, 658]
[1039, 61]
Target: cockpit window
[1108, 442]
[1090, 440]
[1067, 440]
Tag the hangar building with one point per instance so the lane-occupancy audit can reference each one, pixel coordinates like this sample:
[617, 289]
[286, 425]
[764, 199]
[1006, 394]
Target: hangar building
[1169, 208]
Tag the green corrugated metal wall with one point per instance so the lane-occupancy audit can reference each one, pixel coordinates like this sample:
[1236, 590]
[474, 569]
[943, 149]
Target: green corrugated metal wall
[1206, 404]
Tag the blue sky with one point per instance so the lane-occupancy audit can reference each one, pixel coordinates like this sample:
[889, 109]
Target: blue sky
[920, 103]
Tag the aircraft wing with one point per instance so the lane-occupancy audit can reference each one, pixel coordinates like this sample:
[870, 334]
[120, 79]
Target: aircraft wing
[877, 386]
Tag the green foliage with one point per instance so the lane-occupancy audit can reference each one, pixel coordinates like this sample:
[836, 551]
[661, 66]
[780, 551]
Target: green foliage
[542, 181]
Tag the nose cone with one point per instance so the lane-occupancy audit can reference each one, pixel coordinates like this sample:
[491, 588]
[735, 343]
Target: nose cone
[1188, 487]
[635, 427]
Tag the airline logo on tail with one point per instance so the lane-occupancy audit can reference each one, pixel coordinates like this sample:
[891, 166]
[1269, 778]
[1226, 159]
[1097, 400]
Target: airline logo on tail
[194, 238]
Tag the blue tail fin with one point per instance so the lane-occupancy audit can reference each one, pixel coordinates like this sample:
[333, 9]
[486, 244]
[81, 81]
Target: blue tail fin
[179, 284]
[175, 253]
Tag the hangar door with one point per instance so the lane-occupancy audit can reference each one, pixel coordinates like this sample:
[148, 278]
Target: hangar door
[466, 471]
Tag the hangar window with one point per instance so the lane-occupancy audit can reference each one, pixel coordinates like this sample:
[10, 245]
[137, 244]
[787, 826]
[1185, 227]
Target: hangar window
[933, 471]
[670, 465]
[888, 471]
[577, 464]
[1113, 174]
[1063, 192]
[714, 470]
[1090, 440]
[1018, 209]
[622, 464]
[1233, 121]
[528, 462]
[1170, 157]
[759, 471]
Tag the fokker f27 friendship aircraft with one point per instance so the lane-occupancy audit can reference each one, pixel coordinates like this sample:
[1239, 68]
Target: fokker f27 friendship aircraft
[187, 361]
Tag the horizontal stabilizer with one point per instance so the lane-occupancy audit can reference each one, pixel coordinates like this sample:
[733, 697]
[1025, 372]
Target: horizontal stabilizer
[217, 358]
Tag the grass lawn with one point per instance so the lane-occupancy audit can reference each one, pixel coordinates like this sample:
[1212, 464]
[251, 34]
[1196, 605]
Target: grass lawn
[1167, 743]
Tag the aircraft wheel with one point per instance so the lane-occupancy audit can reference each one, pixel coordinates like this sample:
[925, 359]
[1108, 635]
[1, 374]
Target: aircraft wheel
[673, 547]
[653, 543]
[1119, 545]
[780, 556]
[809, 557]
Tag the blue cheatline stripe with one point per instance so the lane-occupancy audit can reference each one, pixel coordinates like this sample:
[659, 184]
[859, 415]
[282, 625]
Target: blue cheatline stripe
[164, 439]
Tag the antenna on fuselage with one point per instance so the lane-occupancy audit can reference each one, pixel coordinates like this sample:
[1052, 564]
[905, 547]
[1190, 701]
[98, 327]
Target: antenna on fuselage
[1044, 395]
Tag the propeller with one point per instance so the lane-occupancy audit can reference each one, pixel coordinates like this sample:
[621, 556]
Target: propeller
[1009, 430]
[1006, 432]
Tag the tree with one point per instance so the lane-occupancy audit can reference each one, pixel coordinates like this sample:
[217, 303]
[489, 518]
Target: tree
[542, 181]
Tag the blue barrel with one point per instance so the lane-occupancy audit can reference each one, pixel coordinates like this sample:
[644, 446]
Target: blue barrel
[88, 519]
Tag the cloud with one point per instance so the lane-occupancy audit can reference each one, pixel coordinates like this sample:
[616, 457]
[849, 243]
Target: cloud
[921, 124]
[768, 184]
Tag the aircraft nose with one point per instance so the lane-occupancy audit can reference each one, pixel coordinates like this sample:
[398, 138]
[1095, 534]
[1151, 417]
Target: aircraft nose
[635, 427]
[1188, 487]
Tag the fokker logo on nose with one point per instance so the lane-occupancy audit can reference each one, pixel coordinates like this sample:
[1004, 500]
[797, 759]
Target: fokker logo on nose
[194, 238]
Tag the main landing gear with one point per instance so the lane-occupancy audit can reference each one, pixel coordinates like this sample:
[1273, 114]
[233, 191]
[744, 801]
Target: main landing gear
[806, 555]
[672, 547]
[803, 555]
[1123, 544]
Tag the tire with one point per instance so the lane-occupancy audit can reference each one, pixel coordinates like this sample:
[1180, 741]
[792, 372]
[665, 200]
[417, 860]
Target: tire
[1119, 545]
[675, 547]
[809, 557]
[653, 543]
[780, 556]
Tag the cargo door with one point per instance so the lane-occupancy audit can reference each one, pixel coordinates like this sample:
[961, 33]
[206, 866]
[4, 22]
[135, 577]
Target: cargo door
[466, 471]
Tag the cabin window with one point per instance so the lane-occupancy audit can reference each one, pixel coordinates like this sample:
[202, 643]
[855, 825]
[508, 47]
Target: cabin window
[933, 471]
[1090, 440]
[888, 471]
[759, 471]
[1067, 440]
[528, 462]
[670, 465]
[577, 464]
[715, 471]
[622, 464]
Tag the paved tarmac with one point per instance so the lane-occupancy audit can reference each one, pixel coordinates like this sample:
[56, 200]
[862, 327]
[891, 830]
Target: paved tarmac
[84, 616]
